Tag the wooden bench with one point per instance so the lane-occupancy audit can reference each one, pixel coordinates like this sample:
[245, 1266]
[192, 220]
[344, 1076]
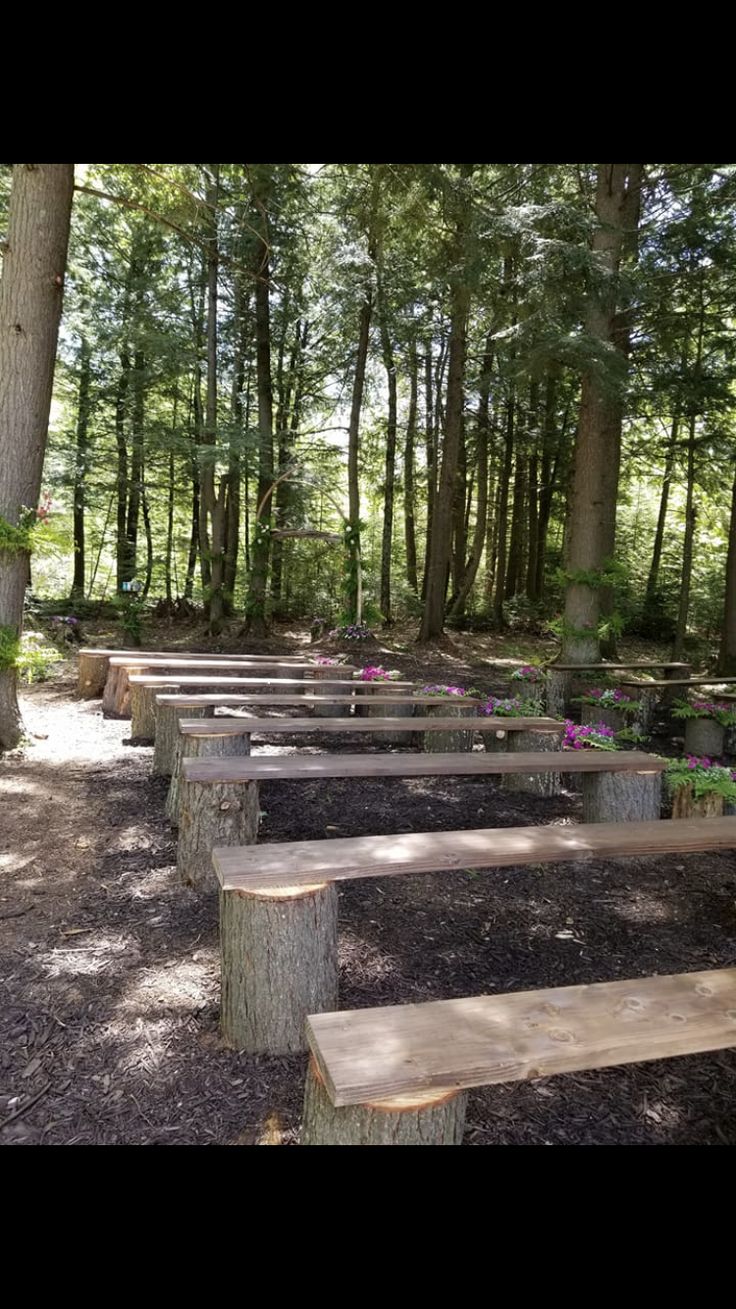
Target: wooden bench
[94, 662]
[560, 678]
[143, 688]
[278, 904]
[399, 1075]
[219, 804]
[171, 708]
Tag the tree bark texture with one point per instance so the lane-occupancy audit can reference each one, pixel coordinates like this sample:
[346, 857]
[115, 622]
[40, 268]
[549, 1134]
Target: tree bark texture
[210, 815]
[438, 1118]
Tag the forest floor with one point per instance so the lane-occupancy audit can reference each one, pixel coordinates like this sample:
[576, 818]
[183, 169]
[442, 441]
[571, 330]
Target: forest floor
[109, 983]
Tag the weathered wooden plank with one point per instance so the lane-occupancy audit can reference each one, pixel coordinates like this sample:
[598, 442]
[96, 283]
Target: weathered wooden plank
[265, 768]
[604, 668]
[232, 700]
[134, 655]
[690, 681]
[297, 863]
[241, 726]
[156, 665]
[206, 679]
[369, 1054]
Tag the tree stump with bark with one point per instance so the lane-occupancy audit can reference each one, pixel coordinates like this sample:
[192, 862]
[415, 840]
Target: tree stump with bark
[326, 673]
[443, 742]
[168, 734]
[684, 804]
[112, 693]
[533, 783]
[559, 691]
[496, 742]
[212, 814]
[703, 736]
[368, 705]
[613, 718]
[621, 797]
[435, 1118]
[143, 712]
[279, 964]
[200, 747]
[92, 675]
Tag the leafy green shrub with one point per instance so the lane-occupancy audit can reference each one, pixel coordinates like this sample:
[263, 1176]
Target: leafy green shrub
[36, 657]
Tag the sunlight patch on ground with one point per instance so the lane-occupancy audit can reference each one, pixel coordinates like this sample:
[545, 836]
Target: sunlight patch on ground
[183, 984]
[89, 959]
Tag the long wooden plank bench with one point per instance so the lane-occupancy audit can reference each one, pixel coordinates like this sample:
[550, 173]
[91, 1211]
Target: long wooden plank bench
[143, 688]
[171, 708]
[94, 662]
[218, 801]
[400, 1074]
[278, 903]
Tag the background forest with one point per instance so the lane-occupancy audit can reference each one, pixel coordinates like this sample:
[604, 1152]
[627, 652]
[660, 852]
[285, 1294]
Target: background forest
[352, 392]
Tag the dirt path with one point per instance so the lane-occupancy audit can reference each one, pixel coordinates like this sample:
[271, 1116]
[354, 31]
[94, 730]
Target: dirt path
[109, 970]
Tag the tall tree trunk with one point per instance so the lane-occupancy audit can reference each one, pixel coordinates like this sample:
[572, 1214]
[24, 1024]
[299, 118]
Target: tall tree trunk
[460, 511]
[135, 482]
[481, 512]
[288, 426]
[80, 468]
[727, 652]
[31, 294]
[533, 493]
[502, 516]
[431, 457]
[212, 506]
[546, 484]
[669, 466]
[232, 507]
[198, 499]
[592, 517]
[516, 539]
[149, 537]
[678, 645]
[123, 573]
[409, 492]
[353, 590]
[256, 616]
[390, 464]
[441, 534]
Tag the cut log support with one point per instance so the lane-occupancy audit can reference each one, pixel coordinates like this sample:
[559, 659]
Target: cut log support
[372, 708]
[200, 747]
[279, 964]
[559, 690]
[496, 742]
[533, 783]
[92, 675]
[210, 815]
[143, 713]
[110, 695]
[684, 804]
[703, 736]
[440, 742]
[436, 1117]
[614, 718]
[323, 673]
[621, 797]
[167, 735]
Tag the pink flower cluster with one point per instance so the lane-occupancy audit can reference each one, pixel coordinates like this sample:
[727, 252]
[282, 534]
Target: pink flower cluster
[446, 690]
[581, 736]
[374, 673]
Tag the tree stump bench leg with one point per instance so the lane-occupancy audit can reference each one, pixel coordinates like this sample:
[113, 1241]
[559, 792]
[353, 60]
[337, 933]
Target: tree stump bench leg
[143, 713]
[436, 1118]
[200, 747]
[445, 742]
[621, 797]
[533, 783]
[279, 964]
[92, 675]
[168, 735]
[210, 815]
[559, 688]
[496, 742]
[326, 673]
[703, 736]
[110, 693]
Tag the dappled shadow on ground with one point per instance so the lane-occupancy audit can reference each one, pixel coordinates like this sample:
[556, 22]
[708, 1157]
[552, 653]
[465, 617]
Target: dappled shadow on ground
[109, 970]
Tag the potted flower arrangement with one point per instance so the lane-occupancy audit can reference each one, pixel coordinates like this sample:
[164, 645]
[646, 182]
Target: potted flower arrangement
[705, 725]
[374, 673]
[530, 675]
[608, 705]
[700, 787]
[453, 702]
[588, 736]
[351, 632]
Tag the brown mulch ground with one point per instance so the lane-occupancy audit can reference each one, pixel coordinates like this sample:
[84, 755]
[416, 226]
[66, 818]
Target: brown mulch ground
[109, 970]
